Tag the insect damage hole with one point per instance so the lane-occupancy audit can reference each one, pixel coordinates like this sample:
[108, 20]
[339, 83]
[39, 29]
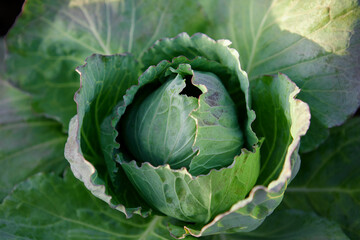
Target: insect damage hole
[190, 90]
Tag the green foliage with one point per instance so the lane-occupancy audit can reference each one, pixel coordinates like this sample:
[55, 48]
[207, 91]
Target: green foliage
[176, 193]
[219, 137]
[28, 143]
[59, 35]
[42, 202]
[328, 182]
[103, 87]
[315, 43]
[290, 225]
[241, 149]
[199, 199]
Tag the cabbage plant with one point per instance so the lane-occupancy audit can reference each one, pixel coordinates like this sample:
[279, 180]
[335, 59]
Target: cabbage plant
[190, 120]
[176, 135]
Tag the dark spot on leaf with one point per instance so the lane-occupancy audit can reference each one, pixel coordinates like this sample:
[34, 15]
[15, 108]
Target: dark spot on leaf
[217, 114]
[208, 123]
[213, 99]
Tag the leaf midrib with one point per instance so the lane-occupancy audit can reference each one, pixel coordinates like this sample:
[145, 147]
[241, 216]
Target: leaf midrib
[257, 36]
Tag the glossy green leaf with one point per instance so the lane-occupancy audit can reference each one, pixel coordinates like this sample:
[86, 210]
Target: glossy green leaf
[48, 207]
[52, 37]
[275, 117]
[290, 225]
[178, 194]
[160, 130]
[328, 181]
[29, 143]
[249, 213]
[315, 43]
[91, 142]
[219, 137]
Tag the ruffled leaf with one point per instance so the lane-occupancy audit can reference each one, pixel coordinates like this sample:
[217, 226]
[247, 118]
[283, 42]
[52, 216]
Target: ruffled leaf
[91, 142]
[249, 213]
[276, 115]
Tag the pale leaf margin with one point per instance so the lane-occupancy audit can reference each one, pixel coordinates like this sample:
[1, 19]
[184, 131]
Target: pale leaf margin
[300, 122]
[84, 170]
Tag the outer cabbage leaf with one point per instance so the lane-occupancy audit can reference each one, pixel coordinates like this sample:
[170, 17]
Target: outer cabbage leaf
[91, 143]
[29, 143]
[197, 199]
[51, 38]
[314, 42]
[274, 92]
[49, 207]
[328, 181]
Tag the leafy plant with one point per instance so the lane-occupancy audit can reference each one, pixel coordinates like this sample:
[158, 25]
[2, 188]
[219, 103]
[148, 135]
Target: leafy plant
[175, 134]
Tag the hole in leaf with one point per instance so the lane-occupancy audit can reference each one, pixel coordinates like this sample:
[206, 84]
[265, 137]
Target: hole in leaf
[190, 90]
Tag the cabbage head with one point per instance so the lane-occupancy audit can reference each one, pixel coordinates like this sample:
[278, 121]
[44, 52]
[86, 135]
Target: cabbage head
[181, 135]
